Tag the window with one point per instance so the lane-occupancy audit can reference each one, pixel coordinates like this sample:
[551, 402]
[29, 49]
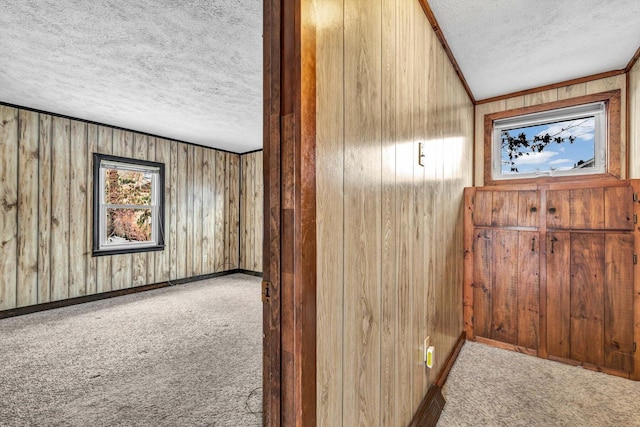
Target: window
[576, 137]
[128, 207]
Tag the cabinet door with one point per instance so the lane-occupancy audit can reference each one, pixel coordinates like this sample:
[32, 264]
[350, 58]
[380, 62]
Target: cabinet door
[506, 286]
[558, 294]
[507, 208]
[618, 208]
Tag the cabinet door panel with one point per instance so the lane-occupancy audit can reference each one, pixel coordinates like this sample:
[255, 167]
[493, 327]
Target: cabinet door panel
[587, 209]
[618, 208]
[528, 208]
[558, 209]
[558, 294]
[618, 313]
[528, 288]
[482, 274]
[505, 286]
[587, 295]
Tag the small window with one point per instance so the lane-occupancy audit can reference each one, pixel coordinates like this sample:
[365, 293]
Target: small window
[559, 142]
[128, 206]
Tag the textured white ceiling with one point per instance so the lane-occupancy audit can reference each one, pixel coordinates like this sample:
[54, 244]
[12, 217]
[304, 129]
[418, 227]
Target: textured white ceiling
[503, 46]
[188, 70]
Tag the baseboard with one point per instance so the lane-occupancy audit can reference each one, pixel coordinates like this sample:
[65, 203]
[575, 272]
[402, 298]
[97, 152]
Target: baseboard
[112, 294]
[429, 410]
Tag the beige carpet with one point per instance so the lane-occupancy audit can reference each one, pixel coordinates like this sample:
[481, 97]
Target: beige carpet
[493, 387]
[188, 355]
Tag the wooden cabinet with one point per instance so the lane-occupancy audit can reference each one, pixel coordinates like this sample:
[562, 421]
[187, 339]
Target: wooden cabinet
[551, 273]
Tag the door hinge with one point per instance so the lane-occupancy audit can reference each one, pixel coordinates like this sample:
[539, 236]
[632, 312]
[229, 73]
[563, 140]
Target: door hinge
[266, 291]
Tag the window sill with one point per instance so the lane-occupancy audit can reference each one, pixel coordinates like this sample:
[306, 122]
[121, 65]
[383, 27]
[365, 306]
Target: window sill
[123, 251]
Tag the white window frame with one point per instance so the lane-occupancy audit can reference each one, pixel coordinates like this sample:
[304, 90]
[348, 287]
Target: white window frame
[102, 163]
[596, 109]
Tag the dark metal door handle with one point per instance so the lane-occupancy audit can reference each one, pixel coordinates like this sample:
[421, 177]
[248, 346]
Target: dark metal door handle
[552, 210]
[534, 209]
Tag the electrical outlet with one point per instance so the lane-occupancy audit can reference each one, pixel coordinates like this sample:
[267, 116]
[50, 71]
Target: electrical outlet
[427, 342]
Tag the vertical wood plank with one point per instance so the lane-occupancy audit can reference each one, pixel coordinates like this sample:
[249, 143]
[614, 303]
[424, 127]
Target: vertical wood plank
[572, 91]
[587, 295]
[227, 209]
[618, 208]
[27, 278]
[103, 274]
[618, 301]
[528, 208]
[191, 217]
[208, 210]
[234, 210]
[220, 209]
[175, 206]
[60, 154]
[9, 129]
[362, 136]
[259, 214]
[44, 210]
[468, 301]
[558, 294]
[559, 209]
[91, 262]
[182, 247]
[79, 225]
[505, 208]
[253, 200]
[587, 208]
[505, 291]
[483, 282]
[139, 260]
[244, 218]
[198, 157]
[330, 212]
[541, 97]
[483, 212]
[528, 288]
[163, 258]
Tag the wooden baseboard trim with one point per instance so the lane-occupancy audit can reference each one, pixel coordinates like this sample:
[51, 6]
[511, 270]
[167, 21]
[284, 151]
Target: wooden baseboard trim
[428, 412]
[111, 294]
[507, 346]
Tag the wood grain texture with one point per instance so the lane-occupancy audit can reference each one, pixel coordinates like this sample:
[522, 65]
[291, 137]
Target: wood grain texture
[618, 301]
[635, 184]
[558, 294]
[528, 287]
[483, 282]
[251, 205]
[483, 211]
[9, 129]
[505, 208]
[384, 86]
[27, 278]
[587, 295]
[173, 213]
[47, 220]
[618, 209]
[504, 310]
[587, 209]
[634, 121]
[528, 208]
[559, 209]
[182, 214]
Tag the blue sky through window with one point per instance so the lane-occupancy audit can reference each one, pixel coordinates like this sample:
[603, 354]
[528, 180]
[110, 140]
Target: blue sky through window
[555, 156]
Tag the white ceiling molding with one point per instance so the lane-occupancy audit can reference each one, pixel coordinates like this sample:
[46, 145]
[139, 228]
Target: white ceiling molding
[187, 70]
[505, 46]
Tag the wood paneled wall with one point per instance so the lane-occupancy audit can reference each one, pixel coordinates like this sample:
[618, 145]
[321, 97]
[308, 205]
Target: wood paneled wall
[46, 181]
[389, 232]
[251, 206]
[634, 121]
[543, 97]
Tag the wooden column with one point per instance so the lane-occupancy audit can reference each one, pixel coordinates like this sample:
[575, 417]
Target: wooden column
[289, 263]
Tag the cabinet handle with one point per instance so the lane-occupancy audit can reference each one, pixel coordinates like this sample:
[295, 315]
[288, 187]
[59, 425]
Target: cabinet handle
[533, 244]
[534, 209]
[552, 210]
[553, 240]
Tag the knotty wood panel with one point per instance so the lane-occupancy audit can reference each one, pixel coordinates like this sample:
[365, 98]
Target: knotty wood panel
[618, 302]
[505, 208]
[559, 209]
[618, 209]
[483, 211]
[587, 295]
[558, 294]
[587, 209]
[9, 209]
[483, 282]
[634, 121]
[528, 208]
[504, 310]
[528, 287]
[251, 206]
[46, 182]
[388, 231]
[27, 294]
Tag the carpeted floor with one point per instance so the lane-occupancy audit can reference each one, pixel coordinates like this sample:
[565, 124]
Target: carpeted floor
[492, 387]
[188, 355]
